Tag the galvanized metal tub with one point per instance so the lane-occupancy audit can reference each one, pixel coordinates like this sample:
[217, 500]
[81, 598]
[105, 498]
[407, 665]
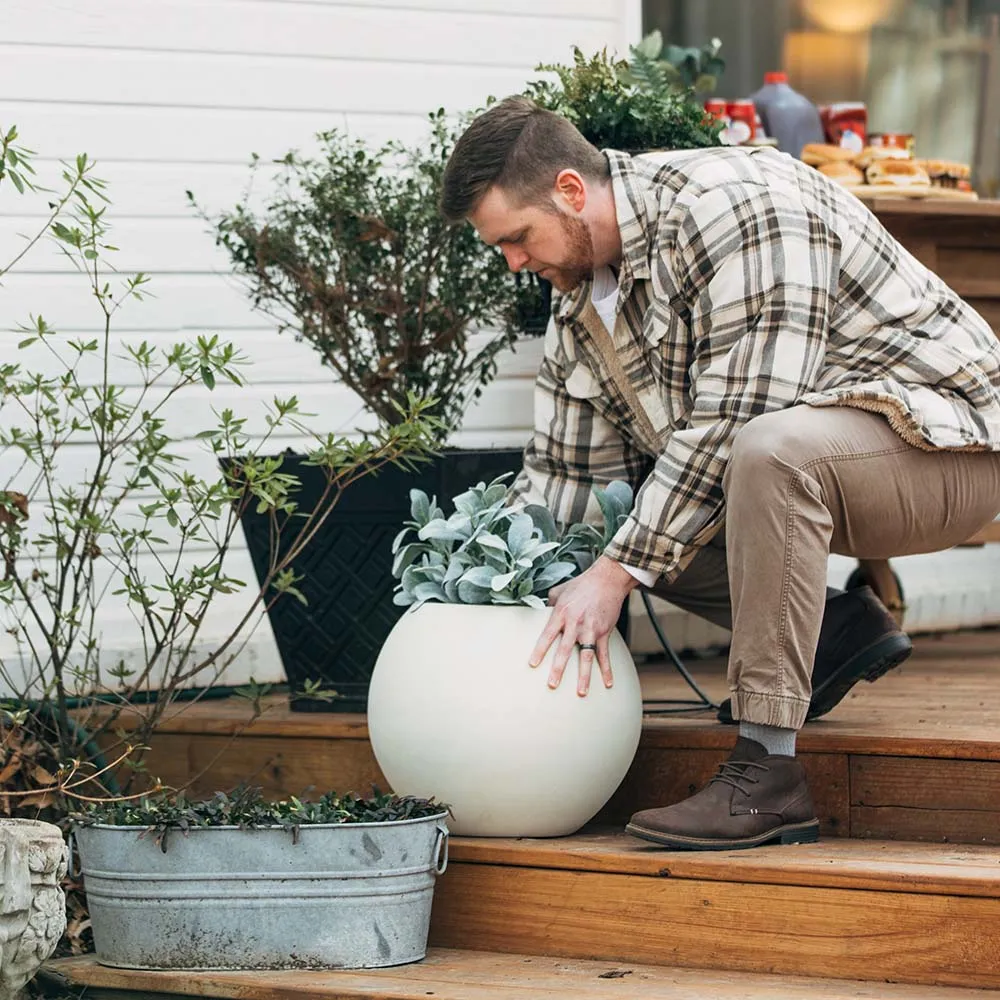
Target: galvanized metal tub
[344, 896]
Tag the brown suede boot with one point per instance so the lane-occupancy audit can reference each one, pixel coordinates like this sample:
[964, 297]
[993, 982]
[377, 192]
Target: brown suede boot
[754, 799]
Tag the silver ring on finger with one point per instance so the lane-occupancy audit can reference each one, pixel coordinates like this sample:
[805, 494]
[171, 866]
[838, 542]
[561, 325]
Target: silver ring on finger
[588, 645]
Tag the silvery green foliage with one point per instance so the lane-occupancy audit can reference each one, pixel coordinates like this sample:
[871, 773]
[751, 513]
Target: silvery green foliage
[492, 551]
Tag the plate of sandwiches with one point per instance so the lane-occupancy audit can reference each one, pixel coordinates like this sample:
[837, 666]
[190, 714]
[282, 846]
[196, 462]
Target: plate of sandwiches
[888, 172]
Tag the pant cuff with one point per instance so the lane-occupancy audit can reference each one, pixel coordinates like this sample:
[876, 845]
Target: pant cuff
[768, 709]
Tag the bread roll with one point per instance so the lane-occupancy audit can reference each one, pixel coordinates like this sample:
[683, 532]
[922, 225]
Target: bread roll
[842, 173]
[945, 173]
[817, 153]
[902, 173]
[870, 154]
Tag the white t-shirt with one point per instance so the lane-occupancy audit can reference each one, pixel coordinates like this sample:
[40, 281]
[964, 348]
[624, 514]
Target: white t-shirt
[604, 295]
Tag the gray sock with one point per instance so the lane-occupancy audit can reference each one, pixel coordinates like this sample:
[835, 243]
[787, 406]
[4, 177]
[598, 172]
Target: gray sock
[774, 739]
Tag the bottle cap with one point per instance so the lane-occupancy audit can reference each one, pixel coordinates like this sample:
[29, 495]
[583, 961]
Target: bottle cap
[775, 77]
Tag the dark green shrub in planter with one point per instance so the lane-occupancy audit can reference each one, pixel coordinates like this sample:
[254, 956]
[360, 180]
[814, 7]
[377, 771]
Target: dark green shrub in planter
[350, 254]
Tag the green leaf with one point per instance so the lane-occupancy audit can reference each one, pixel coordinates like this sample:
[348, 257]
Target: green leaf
[478, 576]
[519, 534]
[208, 376]
[501, 581]
[652, 45]
[420, 507]
[27, 342]
[543, 521]
[469, 593]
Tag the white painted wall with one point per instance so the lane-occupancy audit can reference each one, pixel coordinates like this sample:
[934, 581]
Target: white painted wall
[170, 95]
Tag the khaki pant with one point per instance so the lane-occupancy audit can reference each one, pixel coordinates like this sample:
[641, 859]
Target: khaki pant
[802, 483]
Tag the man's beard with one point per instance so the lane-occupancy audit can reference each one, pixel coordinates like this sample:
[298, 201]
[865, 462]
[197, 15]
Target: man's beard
[578, 264]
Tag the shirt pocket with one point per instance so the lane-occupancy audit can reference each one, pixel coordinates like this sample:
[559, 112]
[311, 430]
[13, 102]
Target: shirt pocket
[582, 383]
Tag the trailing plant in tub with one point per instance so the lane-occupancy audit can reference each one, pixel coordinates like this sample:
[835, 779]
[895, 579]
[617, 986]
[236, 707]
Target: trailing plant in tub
[180, 884]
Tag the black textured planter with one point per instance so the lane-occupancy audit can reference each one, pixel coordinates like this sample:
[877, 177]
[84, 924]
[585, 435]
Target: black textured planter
[347, 571]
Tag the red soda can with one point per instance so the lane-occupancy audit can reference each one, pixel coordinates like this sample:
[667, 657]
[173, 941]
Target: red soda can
[716, 108]
[742, 122]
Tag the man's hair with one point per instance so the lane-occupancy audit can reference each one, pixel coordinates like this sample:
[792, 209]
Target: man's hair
[519, 147]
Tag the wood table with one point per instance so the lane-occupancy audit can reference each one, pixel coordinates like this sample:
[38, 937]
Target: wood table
[960, 241]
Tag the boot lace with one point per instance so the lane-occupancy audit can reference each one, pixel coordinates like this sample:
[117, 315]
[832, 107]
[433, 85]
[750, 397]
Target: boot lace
[738, 774]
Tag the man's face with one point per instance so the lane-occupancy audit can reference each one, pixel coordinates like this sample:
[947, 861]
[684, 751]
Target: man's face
[554, 242]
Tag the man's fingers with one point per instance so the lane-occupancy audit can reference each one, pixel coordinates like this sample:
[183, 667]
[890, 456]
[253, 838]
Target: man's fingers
[604, 659]
[561, 657]
[586, 669]
[552, 628]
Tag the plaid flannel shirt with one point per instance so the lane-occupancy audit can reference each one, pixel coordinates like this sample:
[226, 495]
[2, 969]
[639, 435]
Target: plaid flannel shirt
[748, 283]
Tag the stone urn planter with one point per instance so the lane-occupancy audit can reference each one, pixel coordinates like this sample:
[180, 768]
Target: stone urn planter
[33, 859]
[324, 896]
[455, 712]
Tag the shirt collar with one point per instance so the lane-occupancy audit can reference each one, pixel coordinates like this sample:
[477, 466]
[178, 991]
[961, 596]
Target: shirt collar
[636, 211]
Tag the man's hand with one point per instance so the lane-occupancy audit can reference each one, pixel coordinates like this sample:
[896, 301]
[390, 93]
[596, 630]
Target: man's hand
[584, 610]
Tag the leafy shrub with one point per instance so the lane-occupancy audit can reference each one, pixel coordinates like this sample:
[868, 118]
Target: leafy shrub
[658, 67]
[492, 551]
[613, 108]
[351, 253]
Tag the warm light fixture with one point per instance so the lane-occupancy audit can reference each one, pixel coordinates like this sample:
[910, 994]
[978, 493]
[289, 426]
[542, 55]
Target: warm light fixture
[826, 66]
[850, 16]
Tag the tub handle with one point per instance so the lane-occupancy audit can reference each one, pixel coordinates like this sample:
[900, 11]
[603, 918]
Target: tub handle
[73, 855]
[441, 850]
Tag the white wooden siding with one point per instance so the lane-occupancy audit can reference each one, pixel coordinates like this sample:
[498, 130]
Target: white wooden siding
[170, 95]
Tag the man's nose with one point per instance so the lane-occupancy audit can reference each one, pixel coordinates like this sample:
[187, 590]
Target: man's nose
[516, 258]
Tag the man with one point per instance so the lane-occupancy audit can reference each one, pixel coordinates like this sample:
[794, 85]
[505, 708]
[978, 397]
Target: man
[742, 341]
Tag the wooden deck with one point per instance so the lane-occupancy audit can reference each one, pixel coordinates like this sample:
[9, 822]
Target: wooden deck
[902, 891]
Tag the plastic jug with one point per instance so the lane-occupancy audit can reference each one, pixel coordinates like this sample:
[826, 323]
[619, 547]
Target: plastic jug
[786, 115]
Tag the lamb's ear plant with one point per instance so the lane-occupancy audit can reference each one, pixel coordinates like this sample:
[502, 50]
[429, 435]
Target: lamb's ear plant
[493, 551]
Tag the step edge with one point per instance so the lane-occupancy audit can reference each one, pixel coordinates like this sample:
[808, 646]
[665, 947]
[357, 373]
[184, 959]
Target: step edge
[707, 866]
[67, 969]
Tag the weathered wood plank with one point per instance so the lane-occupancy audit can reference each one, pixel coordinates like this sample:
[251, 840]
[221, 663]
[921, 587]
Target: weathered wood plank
[279, 766]
[919, 799]
[477, 975]
[794, 930]
[837, 863]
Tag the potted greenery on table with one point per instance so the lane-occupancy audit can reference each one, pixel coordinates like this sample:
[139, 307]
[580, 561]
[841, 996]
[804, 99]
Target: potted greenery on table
[634, 105]
[235, 882]
[350, 255]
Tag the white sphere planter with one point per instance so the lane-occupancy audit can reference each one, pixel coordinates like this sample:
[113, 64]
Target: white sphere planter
[455, 712]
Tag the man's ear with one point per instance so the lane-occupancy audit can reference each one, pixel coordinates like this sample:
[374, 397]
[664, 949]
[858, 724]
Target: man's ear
[571, 189]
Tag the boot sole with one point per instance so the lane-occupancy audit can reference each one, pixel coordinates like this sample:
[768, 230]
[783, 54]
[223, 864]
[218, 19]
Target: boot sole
[791, 833]
[868, 665]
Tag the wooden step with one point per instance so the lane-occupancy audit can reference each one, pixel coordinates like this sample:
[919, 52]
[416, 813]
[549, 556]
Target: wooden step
[916, 913]
[914, 757]
[473, 975]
